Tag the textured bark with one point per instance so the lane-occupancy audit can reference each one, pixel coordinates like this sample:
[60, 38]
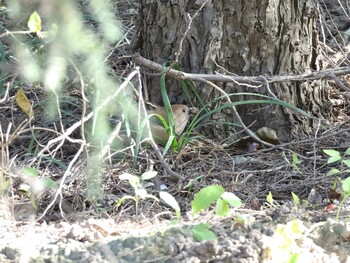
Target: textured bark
[248, 38]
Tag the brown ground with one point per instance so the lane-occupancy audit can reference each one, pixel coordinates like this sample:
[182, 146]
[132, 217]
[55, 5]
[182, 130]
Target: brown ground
[70, 227]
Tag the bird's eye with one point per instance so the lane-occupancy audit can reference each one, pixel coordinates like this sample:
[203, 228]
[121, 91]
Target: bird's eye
[184, 110]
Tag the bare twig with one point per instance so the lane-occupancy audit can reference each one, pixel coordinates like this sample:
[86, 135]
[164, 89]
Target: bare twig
[160, 157]
[84, 101]
[252, 80]
[62, 182]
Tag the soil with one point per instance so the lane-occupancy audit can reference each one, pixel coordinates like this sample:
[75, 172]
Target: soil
[250, 233]
[153, 240]
[67, 226]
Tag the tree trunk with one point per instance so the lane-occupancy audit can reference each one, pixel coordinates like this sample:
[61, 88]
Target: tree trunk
[248, 38]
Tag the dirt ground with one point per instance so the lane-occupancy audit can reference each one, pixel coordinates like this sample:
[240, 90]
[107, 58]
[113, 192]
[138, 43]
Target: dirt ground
[103, 233]
[157, 238]
[63, 226]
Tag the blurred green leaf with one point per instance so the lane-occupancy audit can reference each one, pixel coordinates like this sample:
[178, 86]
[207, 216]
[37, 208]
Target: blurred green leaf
[331, 152]
[346, 185]
[222, 207]
[123, 199]
[133, 179]
[333, 159]
[232, 199]
[5, 185]
[296, 199]
[201, 232]
[141, 192]
[49, 183]
[34, 23]
[347, 152]
[346, 162]
[171, 201]
[332, 172]
[148, 175]
[206, 196]
[239, 219]
[294, 258]
[296, 227]
[30, 171]
[269, 198]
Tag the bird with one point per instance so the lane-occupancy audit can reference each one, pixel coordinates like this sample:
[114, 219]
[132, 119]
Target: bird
[181, 115]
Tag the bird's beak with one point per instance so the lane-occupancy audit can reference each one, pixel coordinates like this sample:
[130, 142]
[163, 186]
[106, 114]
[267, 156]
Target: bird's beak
[193, 110]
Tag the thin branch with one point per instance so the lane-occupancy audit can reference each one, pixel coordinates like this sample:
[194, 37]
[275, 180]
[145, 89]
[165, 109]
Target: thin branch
[251, 80]
[173, 175]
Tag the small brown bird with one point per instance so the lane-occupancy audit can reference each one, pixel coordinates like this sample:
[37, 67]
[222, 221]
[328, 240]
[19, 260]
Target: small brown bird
[181, 114]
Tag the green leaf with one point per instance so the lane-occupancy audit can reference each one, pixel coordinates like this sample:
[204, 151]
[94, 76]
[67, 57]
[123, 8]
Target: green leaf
[172, 142]
[296, 199]
[333, 159]
[296, 226]
[332, 172]
[34, 23]
[125, 176]
[331, 152]
[345, 185]
[245, 102]
[5, 185]
[125, 197]
[30, 171]
[141, 192]
[346, 162]
[168, 110]
[232, 199]
[269, 198]
[294, 258]
[239, 219]
[206, 196]
[148, 175]
[295, 158]
[347, 152]
[49, 183]
[134, 180]
[201, 232]
[171, 201]
[222, 207]
[152, 196]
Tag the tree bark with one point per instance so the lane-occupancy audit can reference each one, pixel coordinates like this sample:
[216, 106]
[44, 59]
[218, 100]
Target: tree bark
[248, 38]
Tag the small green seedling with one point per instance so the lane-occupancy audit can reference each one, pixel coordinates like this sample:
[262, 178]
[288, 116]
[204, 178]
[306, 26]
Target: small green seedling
[295, 161]
[269, 199]
[171, 201]
[345, 184]
[215, 193]
[203, 199]
[34, 23]
[192, 182]
[139, 187]
[335, 156]
[296, 199]
[34, 186]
